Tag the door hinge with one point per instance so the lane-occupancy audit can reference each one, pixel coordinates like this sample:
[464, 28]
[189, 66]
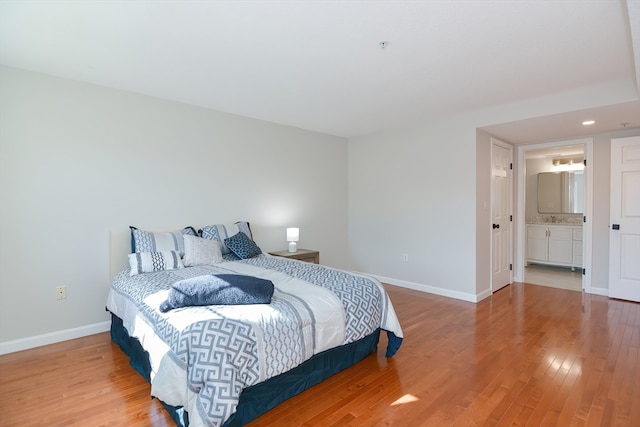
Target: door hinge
[510, 267]
[511, 218]
[511, 166]
[584, 271]
[585, 162]
[584, 219]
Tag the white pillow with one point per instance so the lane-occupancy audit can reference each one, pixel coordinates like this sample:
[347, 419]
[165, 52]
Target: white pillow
[147, 262]
[199, 251]
[149, 241]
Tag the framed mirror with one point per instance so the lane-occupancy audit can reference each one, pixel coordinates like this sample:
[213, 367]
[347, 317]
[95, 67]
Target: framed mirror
[561, 192]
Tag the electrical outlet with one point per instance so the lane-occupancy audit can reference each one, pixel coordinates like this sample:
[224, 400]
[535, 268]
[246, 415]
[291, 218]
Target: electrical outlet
[61, 292]
[405, 257]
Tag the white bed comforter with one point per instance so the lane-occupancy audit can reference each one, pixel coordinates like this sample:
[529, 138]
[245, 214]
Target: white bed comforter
[203, 357]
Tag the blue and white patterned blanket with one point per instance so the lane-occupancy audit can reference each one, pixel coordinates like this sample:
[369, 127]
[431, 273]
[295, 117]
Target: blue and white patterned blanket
[203, 357]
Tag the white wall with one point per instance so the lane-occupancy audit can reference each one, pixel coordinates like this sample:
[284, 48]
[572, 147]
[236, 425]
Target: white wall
[79, 160]
[413, 191]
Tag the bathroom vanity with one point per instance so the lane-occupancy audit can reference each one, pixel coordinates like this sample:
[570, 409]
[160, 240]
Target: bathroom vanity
[555, 244]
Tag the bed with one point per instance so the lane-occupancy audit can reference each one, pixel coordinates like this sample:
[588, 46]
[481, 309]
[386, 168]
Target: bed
[225, 364]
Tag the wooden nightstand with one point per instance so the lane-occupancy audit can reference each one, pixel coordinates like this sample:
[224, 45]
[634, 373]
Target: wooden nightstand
[301, 254]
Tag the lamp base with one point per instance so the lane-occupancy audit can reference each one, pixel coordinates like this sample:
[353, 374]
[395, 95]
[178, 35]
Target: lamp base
[293, 247]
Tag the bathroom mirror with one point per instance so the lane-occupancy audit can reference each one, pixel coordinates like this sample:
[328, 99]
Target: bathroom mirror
[561, 192]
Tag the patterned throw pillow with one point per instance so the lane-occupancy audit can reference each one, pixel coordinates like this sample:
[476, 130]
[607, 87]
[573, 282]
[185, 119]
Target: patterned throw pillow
[241, 245]
[147, 241]
[147, 262]
[220, 232]
[199, 251]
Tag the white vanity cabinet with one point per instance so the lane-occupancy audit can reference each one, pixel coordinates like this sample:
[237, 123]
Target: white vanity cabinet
[577, 246]
[554, 245]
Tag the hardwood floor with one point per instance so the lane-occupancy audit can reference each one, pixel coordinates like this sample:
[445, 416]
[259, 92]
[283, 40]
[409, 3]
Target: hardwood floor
[528, 355]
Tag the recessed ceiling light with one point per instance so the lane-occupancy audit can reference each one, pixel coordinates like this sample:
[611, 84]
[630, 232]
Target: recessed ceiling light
[588, 122]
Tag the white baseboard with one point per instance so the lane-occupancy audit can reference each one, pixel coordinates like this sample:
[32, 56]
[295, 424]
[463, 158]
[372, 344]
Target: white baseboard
[482, 295]
[431, 289]
[599, 291]
[53, 337]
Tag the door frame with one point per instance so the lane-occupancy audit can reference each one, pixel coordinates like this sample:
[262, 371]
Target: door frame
[521, 221]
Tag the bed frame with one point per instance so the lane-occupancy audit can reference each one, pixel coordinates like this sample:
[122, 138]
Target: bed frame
[254, 400]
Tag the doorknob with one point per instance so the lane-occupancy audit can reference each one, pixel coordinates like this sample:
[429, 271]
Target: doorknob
[615, 227]
[496, 226]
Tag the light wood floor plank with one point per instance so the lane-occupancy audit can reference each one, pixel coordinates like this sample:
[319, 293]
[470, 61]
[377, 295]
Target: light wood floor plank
[527, 356]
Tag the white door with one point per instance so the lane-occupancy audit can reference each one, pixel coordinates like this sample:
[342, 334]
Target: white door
[501, 213]
[624, 240]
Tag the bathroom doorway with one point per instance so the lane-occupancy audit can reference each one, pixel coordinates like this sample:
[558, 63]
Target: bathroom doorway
[553, 200]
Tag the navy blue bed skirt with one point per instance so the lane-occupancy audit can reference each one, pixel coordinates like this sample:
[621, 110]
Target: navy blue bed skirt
[259, 398]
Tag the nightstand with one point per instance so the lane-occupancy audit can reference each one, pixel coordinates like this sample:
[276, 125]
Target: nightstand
[301, 254]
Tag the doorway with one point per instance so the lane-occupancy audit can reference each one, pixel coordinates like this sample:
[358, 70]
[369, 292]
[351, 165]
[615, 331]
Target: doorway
[553, 242]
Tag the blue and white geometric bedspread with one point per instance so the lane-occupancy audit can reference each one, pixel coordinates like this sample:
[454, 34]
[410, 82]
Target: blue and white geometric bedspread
[203, 357]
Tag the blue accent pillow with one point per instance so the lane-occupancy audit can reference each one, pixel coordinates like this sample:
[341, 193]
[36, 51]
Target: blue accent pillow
[241, 245]
[220, 232]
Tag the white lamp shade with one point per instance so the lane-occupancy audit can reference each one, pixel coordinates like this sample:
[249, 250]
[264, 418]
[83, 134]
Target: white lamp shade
[293, 234]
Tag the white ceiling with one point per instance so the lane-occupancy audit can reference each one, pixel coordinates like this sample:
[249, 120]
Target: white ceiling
[318, 65]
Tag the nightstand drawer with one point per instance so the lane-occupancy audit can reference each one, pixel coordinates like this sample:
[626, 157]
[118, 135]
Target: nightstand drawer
[301, 255]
